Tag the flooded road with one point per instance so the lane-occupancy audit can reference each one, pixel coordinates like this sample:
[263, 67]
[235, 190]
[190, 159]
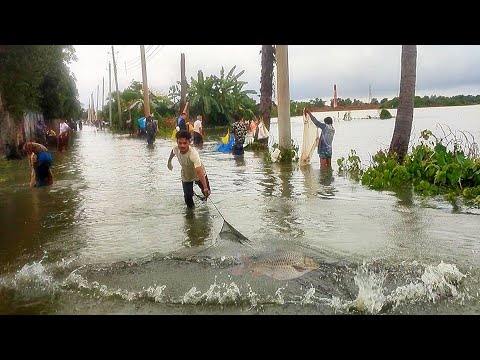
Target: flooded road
[113, 235]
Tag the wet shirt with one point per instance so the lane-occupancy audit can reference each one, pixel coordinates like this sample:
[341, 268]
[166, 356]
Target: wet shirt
[197, 126]
[189, 161]
[151, 127]
[326, 138]
[239, 131]
[63, 127]
[182, 124]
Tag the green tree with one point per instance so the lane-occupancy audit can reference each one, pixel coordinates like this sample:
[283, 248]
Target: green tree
[232, 97]
[201, 95]
[36, 78]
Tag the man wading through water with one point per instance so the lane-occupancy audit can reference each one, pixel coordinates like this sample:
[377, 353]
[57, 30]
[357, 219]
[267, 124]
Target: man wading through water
[326, 139]
[192, 168]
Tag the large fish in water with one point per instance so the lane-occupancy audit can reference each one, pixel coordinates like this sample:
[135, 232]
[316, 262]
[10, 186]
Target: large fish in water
[280, 265]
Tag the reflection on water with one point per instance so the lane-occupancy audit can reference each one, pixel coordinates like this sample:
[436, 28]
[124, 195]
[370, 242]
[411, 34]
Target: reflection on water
[197, 226]
[102, 236]
[326, 178]
[239, 160]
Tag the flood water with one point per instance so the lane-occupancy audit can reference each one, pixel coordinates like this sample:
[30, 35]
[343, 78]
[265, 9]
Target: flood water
[112, 235]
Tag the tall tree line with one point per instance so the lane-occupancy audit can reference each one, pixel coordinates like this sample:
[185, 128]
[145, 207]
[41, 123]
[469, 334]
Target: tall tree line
[37, 78]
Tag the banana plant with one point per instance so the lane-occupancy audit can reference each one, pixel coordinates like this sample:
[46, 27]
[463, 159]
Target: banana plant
[201, 95]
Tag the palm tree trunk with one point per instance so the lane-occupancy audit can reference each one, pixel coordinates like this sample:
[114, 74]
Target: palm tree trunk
[266, 83]
[404, 119]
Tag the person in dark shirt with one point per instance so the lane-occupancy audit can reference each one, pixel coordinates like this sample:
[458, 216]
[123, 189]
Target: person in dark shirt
[239, 130]
[41, 132]
[182, 122]
[151, 130]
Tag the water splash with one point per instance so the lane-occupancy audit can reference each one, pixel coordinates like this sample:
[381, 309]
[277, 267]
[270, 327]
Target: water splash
[154, 292]
[34, 274]
[435, 283]
[309, 298]
[278, 298]
[253, 297]
[370, 290]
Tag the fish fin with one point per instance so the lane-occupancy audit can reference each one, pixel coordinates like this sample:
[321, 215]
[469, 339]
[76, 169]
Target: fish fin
[256, 272]
[298, 268]
[280, 276]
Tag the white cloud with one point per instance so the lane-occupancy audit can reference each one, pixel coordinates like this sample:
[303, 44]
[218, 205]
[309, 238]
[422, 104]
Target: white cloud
[441, 69]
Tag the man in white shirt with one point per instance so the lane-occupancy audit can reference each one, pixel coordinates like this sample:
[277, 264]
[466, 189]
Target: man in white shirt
[62, 140]
[198, 131]
[192, 168]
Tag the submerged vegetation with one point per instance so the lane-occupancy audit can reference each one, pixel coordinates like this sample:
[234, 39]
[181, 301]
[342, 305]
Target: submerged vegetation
[256, 146]
[282, 155]
[448, 165]
[385, 114]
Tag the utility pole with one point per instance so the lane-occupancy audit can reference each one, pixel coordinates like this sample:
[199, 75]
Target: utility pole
[146, 97]
[118, 93]
[99, 120]
[93, 108]
[103, 95]
[110, 93]
[89, 116]
[283, 92]
[183, 85]
[335, 103]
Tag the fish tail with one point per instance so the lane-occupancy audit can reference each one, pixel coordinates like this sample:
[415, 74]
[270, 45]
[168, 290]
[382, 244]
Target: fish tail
[240, 269]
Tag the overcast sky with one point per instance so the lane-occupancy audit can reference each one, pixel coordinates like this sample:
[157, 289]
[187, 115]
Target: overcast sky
[441, 69]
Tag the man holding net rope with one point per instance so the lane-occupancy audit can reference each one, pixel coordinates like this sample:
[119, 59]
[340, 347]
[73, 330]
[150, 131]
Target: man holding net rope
[192, 168]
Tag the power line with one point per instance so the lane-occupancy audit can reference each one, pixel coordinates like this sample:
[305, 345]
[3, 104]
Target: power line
[150, 57]
[133, 62]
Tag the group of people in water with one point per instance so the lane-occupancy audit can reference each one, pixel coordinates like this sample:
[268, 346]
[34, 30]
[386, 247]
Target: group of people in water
[192, 169]
[195, 129]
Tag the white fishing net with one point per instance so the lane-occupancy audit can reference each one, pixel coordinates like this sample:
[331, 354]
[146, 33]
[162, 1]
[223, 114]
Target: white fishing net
[228, 232]
[310, 141]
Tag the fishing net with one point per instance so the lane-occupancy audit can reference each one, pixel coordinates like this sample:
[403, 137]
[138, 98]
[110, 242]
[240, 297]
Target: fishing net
[310, 141]
[228, 232]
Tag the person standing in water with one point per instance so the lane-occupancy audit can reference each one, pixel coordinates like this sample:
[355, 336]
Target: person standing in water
[326, 140]
[239, 130]
[198, 131]
[40, 160]
[193, 171]
[151, 130]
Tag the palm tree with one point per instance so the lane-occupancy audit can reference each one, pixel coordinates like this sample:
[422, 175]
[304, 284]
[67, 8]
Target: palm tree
[266, 83]
[404, 119]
